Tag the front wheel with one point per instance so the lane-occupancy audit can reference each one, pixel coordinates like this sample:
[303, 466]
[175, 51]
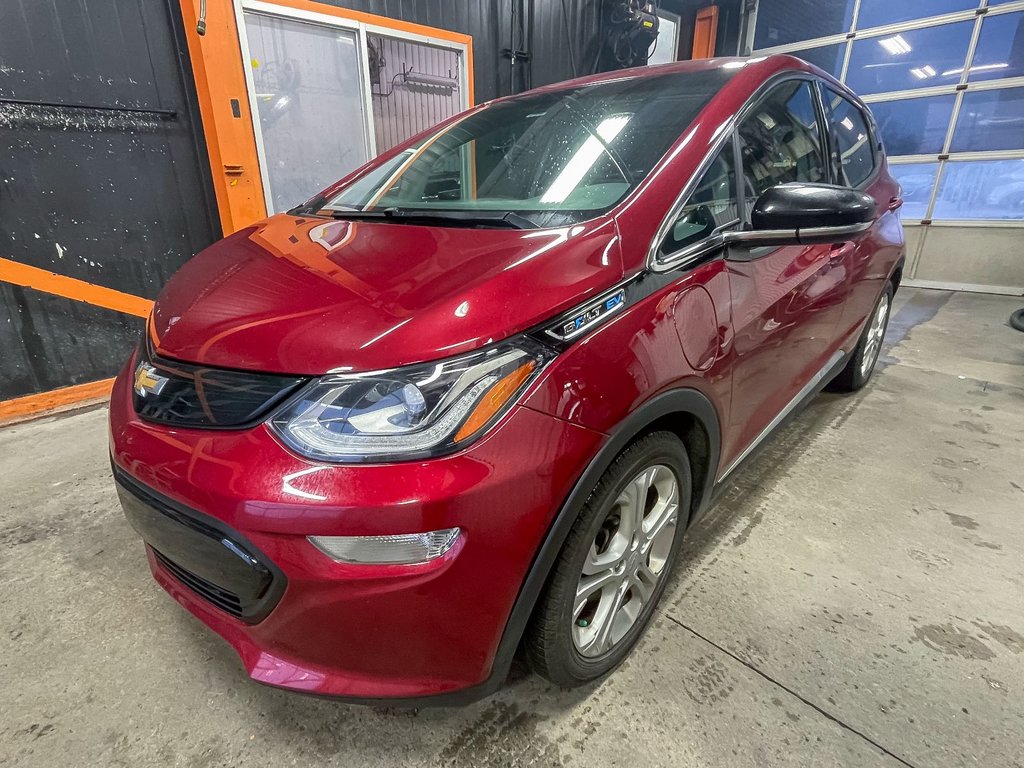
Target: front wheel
[614, 565]
[861, 364]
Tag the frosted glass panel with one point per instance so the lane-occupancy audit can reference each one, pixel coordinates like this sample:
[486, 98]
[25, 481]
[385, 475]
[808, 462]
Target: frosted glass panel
[309, 103]
[916, 180]
[989, 189]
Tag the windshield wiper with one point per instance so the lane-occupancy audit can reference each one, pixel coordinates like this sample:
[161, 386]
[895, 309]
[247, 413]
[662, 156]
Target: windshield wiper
[442, 217]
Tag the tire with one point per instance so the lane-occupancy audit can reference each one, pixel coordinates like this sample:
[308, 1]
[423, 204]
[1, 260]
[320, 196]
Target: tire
[1017, 320]
[573, 647]
[861, 364]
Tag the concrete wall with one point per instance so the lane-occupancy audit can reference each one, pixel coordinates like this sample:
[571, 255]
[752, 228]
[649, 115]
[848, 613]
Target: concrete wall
[969, 256]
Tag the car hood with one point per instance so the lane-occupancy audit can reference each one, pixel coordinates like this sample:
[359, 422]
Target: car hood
[309, 295]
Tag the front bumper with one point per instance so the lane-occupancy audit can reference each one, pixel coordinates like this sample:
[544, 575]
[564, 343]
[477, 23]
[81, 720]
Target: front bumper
[313, 624]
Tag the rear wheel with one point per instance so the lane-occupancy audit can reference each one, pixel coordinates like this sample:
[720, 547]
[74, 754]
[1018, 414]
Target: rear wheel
[861, 364]
[614, 565]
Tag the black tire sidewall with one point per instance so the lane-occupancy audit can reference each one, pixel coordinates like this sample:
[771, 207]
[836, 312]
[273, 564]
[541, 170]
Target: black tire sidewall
[850, 379]
[860, 379]
[659, 448]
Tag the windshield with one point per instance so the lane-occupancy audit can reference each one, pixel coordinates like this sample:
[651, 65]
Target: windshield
[548, 159]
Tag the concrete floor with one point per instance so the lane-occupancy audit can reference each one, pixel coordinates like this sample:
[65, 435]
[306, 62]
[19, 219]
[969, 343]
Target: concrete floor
[856, 599]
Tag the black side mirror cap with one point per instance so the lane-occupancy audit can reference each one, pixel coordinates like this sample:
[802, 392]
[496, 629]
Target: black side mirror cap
[802, 213]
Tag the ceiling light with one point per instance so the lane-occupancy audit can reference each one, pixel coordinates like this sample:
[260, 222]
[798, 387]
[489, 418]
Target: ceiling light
[923, 73]
[979, 68]
[895, 45]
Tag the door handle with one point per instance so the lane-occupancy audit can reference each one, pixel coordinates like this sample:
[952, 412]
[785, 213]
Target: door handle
[894, 203]
[837, 252]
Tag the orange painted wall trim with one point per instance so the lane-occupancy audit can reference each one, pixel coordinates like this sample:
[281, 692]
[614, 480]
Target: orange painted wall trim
[57, 398]
[705, 32]
[377, 21]
[72, 288]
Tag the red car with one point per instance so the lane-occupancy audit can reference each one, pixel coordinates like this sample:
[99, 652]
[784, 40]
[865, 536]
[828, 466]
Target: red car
[466, 401]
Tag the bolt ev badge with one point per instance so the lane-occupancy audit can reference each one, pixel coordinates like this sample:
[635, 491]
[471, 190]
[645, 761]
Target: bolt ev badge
[580, 320]
[148, 381]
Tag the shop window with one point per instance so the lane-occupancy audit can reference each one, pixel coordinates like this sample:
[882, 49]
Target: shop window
[878, 13]
[914, 126]
[787, 21]
[985, 189]
[1000, 51]
[916, 181]
[990, 120]
[828, 57]
[916, 58]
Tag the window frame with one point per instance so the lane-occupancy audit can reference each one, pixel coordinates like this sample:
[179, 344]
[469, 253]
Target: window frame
[824, 132]
[706, 165]
[696, 252]
[874, 142]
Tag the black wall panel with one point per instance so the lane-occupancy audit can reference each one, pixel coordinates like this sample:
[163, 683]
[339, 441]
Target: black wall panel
[82, 343]
[102, 176]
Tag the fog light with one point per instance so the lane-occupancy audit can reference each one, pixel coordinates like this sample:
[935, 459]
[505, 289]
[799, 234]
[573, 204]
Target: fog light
[399, 549]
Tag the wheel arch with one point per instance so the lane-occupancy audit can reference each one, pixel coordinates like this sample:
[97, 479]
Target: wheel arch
[896, 276]
[684, 411]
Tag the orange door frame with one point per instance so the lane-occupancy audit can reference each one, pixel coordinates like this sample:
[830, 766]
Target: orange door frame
[705, 32]
[224, 98]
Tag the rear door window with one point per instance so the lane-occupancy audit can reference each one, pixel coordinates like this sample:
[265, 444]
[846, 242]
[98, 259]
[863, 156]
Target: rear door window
[852, 152]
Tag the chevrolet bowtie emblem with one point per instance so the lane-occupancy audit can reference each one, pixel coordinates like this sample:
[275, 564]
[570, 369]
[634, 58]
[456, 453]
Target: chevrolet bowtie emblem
[148, 381]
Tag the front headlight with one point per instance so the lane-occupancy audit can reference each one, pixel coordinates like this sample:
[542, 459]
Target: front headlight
[409, 413]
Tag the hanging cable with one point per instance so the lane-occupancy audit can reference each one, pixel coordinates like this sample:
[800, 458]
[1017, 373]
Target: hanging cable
[568, 39]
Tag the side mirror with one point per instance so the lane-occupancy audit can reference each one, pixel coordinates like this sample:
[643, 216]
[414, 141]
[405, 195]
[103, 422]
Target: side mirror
[799, 214]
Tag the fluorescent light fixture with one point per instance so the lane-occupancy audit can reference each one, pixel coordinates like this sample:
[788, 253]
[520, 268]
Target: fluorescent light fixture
[923, 73]
[979, 68]
[584, 159]
[847, 123]
[435, 81]
[895, 45]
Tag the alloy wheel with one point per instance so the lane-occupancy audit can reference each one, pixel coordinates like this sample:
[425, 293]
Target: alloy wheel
[876, 332]
[626, 560]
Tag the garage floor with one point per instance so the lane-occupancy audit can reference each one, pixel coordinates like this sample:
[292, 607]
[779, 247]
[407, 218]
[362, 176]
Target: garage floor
[857, 598]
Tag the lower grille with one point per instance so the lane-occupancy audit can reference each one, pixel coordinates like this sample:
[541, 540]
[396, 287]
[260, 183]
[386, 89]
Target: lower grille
[227, 601]
[209, 557]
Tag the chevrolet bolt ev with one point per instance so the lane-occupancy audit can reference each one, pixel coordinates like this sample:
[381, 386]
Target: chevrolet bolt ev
[465, 402]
